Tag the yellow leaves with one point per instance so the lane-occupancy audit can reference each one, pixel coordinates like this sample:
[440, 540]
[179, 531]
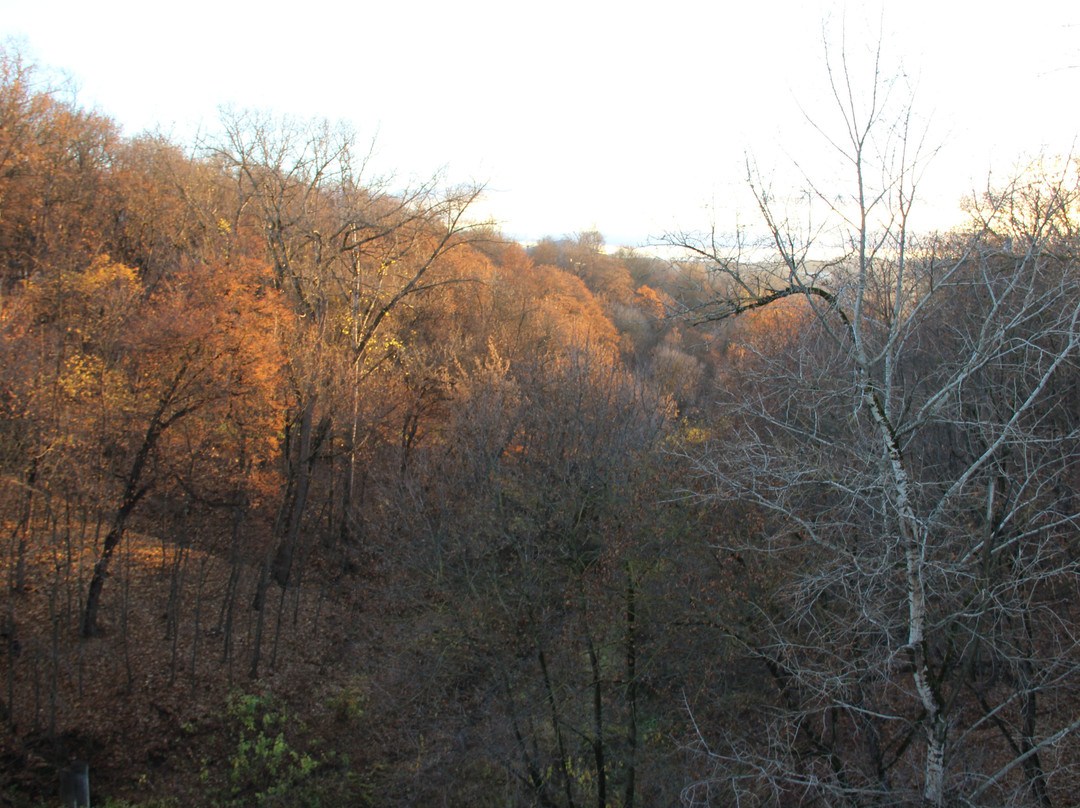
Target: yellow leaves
[105, 274]
[90, 303]
[80, 376]
[691, 435]
[103, 279]
[389, 347]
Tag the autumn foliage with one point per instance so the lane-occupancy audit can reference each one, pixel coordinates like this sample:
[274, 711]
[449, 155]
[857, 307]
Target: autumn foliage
[318, 491]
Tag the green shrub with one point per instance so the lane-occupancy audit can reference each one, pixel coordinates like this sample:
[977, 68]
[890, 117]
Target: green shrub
[274, 763]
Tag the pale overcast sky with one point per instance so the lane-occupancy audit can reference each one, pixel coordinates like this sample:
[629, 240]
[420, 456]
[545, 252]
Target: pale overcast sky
[628, 117]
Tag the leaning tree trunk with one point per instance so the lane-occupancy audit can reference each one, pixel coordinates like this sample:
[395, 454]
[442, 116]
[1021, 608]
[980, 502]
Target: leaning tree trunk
[133, 492]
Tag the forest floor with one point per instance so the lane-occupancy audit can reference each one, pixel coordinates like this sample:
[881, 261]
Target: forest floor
[161, 705]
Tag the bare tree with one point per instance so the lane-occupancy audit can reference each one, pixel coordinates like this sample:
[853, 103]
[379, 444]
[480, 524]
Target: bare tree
[913, 447]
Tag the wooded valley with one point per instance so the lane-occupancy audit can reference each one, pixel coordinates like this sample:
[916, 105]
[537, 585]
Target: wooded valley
[316, 490]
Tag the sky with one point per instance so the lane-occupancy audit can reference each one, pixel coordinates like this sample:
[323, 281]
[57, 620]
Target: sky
[631, 118]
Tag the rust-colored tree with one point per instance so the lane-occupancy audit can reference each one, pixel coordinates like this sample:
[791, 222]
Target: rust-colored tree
[202, 347]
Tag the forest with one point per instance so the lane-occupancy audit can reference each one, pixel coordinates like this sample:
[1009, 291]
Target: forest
[317, 490]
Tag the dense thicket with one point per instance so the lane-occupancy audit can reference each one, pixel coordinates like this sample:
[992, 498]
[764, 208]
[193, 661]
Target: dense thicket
[317, 491]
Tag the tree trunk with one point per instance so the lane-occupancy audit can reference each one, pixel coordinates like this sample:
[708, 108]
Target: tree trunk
[279, 566]
[134, 491]
[132, 495]
[631, 687]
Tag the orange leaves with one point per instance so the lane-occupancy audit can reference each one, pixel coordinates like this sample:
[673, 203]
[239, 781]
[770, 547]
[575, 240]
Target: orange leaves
[214, 334]
[648, 299]
[771, 330]
[563, 310]
[196, 361]
[53, 158]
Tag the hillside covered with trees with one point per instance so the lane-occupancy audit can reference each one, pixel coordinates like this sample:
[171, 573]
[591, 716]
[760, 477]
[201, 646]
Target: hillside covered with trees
[318, 491]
